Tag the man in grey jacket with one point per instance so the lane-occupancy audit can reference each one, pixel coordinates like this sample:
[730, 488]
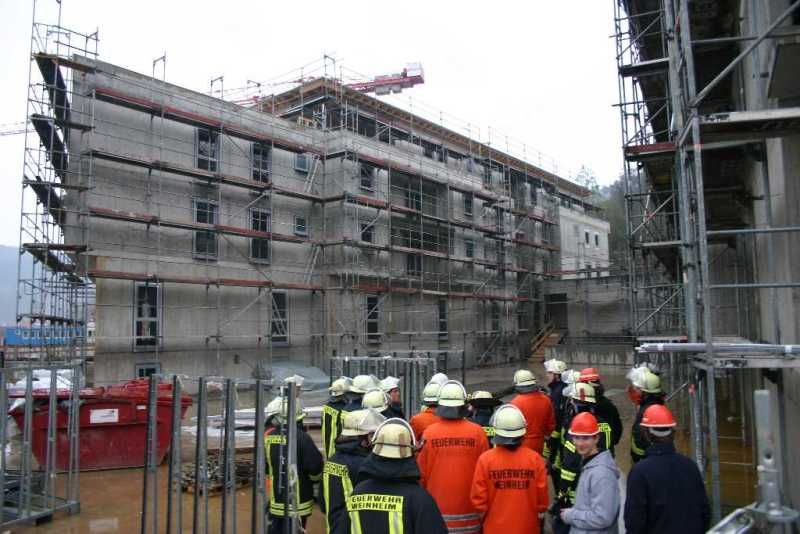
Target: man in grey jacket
[597, 497]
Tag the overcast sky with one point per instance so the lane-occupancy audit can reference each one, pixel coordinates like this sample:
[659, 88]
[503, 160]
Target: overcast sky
[537, 72]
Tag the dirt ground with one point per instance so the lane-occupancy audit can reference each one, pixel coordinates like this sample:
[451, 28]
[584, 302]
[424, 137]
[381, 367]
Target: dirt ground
[111, 500]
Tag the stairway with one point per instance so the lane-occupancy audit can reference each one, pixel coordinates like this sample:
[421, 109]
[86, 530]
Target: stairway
[548, 336]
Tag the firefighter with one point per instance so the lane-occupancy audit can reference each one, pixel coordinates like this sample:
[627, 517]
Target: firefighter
[309, 469]
[483, 404]
[604, 408]
[447, 461]
[536, 408]
[644, 391]
[360, 385]
[427, 416]
[665, 492]
[272, 410]
[565, 411]
[391, 386]
[341, 470]
[555, 386]
[597, 498]
[389, 499]
[332, 414]
[582, 399]
[509, 486]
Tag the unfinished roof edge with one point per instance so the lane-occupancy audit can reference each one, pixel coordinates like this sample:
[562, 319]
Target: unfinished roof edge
[288, 99]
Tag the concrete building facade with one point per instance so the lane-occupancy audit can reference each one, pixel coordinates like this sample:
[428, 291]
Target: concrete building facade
[318, 222]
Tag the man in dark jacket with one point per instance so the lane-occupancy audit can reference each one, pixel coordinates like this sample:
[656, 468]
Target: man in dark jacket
[482, 405]
[341, 470]
[604, 407]
[389, 497]
[332, 414]
[645, 391]
[391, 386]
[665, 493]
[309, 470]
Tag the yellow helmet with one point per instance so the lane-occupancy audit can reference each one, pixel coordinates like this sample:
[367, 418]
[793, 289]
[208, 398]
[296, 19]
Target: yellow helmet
[430, 394]
[375, 398]
[394, 439]
[362, 383]
[508, 422]
[361, 422]
[555, 366]
[340, 386]
[452, 394]
[644, 379]
[524, 380]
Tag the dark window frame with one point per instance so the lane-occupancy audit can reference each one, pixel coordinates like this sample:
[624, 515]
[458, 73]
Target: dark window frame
[207, 152]
[260, 247]
[144, 338]
[279, 318]
[205, 216]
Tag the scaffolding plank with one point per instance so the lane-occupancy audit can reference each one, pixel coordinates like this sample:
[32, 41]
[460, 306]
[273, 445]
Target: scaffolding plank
[47, 197]
[649, 67]
[755, 125]
[649, 152]
[56, 86]
[52, 142]
[189, 118]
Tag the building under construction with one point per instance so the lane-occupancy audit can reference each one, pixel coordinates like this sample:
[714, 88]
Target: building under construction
[207, 237]
[709, 98]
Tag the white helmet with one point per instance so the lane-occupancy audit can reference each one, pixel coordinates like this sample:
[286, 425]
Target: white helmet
[389, 383]
[361, 422]
[439, 378]
[362, 383]
[375, 398]
[394, 439]
[555, 366]
[509, 422]
[430, 395]
[583, 392]
[570, 376]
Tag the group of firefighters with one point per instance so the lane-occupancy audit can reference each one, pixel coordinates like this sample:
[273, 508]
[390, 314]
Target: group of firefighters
[469, 464]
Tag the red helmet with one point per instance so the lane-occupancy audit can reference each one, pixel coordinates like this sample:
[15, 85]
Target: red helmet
[584, 424]
[589, 374]
[658, 416]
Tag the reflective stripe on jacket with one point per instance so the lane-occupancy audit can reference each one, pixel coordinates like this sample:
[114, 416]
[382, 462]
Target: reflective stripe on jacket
[447, 463]
[309, 469]
[390, 501]
[509, 488]
[331, 426]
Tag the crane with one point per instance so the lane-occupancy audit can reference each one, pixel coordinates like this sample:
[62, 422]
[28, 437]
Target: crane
[385, 84]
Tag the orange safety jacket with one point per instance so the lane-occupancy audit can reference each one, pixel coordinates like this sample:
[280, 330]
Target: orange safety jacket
[423, 420]
[447, 461]
[539, 414]
[510, 489]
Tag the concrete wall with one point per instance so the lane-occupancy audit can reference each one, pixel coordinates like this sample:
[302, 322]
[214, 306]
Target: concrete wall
[210, 329]
[576, 252]
[593, 306]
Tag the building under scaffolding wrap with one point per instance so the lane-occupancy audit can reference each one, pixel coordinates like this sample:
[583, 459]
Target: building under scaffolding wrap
[209, 238]
[709, 100]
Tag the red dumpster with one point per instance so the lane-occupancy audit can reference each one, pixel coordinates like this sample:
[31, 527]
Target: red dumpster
[113, 425]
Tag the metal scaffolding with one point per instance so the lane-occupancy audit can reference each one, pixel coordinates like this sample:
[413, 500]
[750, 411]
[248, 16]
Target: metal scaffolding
[688, 140]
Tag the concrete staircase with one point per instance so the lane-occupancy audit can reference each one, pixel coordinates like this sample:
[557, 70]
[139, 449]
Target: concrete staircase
[548, 336]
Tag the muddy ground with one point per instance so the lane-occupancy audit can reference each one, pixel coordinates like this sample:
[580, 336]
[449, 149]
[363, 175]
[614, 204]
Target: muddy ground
[111, 501]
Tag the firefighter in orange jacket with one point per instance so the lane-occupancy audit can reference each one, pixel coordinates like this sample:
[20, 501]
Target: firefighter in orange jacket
[536, 408]
[509, 486]
[450, 451]
[425, 418]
